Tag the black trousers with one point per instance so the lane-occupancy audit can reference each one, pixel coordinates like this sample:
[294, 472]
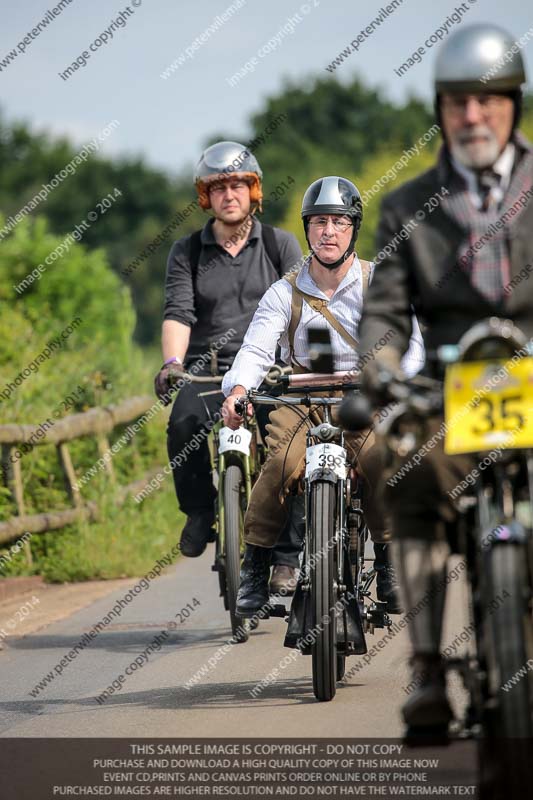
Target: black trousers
[188, 454]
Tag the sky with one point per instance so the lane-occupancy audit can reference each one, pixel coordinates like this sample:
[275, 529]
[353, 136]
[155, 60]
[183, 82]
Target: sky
[168, 120]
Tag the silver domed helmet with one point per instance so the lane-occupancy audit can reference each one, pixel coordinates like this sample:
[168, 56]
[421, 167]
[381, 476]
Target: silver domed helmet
[225, 160]
[333, 195]
[480, 58]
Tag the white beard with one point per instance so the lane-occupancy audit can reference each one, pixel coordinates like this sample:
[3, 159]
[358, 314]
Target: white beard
[479, 155]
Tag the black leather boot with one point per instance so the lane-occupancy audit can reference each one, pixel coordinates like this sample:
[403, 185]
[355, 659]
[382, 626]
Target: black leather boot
[198, 531]
[386, 583]
[427, 712]
[255, 572]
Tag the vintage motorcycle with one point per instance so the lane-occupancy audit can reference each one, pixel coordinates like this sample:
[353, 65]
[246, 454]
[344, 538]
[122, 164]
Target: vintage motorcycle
[486, 400]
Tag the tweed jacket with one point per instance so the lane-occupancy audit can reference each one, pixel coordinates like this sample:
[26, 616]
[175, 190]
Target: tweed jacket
[420, 269]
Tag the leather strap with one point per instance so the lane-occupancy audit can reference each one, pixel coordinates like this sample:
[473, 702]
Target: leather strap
[318, 305]
[296, 315]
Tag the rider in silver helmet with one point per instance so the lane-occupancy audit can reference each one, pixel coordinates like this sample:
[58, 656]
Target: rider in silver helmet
[455, 268]
[215, 278]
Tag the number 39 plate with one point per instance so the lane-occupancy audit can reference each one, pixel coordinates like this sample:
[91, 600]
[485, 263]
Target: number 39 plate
[234, 440]
[326, 456]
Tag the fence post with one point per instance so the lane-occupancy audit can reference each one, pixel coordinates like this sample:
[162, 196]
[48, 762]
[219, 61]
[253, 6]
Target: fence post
[103, 447]
[12, 475]
[70, 476]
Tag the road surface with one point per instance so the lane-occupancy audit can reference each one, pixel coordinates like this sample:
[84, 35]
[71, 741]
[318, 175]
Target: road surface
[153, 699]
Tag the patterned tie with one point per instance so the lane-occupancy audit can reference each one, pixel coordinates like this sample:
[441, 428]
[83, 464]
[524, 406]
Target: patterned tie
[487, 180]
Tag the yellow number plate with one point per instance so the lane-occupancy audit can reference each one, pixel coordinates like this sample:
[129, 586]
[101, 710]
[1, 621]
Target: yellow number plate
[488, 405]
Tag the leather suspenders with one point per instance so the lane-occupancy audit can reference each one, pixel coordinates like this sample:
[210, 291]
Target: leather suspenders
[317, 304]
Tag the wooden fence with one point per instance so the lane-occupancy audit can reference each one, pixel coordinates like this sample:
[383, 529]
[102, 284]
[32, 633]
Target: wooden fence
[98, 422]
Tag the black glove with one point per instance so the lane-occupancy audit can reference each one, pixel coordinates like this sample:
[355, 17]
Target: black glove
[165, 381]
[355, 412]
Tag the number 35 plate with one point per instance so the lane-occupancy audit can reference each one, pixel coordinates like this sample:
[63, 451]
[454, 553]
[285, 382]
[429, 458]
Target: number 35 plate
[326, 456]
[234, 440]
[488, 404]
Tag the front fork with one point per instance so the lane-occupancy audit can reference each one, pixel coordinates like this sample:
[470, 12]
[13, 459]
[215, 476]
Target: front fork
[340, 536]
[220, 461]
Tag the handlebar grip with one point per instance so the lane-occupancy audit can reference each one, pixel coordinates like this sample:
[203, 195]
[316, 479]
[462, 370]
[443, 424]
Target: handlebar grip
[174, 376]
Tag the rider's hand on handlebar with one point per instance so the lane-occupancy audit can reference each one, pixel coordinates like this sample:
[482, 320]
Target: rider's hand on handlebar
[378, 374]
[231, 418]
[165, 381]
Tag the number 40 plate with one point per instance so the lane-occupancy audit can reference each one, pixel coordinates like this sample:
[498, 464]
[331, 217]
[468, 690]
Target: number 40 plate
[234, 440]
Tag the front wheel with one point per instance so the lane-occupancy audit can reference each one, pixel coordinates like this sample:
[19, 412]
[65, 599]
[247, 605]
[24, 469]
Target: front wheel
[510, 633]
[233, 535]
[323, 589]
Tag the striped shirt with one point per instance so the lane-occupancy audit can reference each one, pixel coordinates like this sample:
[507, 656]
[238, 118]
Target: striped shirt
[270, 325]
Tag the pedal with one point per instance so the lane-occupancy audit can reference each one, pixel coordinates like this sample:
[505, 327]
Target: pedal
[276, 610]
[266, 611]
[215, 568]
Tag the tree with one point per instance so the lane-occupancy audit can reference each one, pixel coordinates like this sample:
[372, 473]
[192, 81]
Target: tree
[329, 128]
[322, 127]
[39, 303]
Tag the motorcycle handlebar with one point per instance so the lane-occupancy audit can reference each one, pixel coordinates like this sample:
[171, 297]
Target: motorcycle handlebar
[239, 407]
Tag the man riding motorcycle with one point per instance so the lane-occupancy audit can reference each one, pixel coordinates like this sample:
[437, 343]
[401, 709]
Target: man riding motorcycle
[456, 268]
[215, 278]
[334, 278]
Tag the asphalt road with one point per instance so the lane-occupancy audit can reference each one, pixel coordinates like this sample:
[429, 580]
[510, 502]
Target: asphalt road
[154, 700]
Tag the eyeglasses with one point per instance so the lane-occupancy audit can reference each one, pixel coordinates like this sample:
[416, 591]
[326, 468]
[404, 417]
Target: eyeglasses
[488, 103]
[236, 186]
[339, 223]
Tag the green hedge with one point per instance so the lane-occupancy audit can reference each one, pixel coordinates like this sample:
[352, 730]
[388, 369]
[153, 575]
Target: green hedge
[97, 364]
